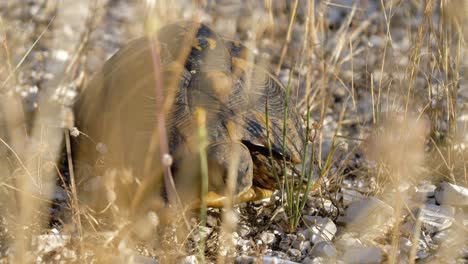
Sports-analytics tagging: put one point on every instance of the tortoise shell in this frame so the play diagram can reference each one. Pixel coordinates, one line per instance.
(199, 70)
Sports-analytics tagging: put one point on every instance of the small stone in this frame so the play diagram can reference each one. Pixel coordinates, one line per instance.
(204, 231)
(286, 242)
(370, 216)
(294, 254)
(350, 196)
(403, 259)
(211, 221)
(441, 236)
(431, 200)
(298, 244)
(68, 254)
(363, 255)
(376, 41)
(436, 218)
(243, 230)
(405, 244)
(323, 229)
(49, 242)
(243, 244)
(264, 260)
(422, 254)
(329, 207)
(192, 259)
(347, 240)
(300, 237)
(362, 184)
(245, 260)
(279, 255)
(318, 260)
(61, 55)
(404, 186)
(451, 194)
(267, 237)
(144, 260)
(60, 194)
(323, 249)
(305, 232)
(426, 190)
(306, 246)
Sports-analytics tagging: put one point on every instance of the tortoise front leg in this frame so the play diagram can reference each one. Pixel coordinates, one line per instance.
(230, 174)
(254, 193)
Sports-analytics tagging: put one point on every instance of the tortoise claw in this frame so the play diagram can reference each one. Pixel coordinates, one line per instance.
(215, 200)
(252, 194)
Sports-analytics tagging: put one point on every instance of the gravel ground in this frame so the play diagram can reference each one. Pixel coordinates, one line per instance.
(360, 214)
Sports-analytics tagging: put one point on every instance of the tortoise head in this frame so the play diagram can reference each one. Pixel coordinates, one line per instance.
(276, 111)
(286, 139)
(260, 102)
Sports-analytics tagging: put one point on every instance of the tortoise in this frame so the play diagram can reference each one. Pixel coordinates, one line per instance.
(199, 70)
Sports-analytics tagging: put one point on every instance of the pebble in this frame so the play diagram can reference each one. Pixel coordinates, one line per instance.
(243, 244)
(294, 254)
(376, 41)
(305, 247)
(363, 255)
(60, 194)
(441, 236)
(431, 200)
(192, 259)
(404, 186)
(321, 228)
(436, 218)
(146, 260)
(324, 204)
(267, 237)
(212, 221)
(243, 230)
(405, 244)
(329, 207)
(425, 190)
(287, 241)
(204, 231)
(68, 254)
(451, 194)
(49, 242)
(422, 254)
(318, 260)
(368, 214)
(350, 196)
(297, 244)
(347, 240)
(264, 260)
(61, 55)
(323, 249)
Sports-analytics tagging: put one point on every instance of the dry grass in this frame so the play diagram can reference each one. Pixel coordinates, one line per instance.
(383, 82)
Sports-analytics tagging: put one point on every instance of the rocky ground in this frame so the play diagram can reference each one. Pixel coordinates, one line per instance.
(395, 190)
